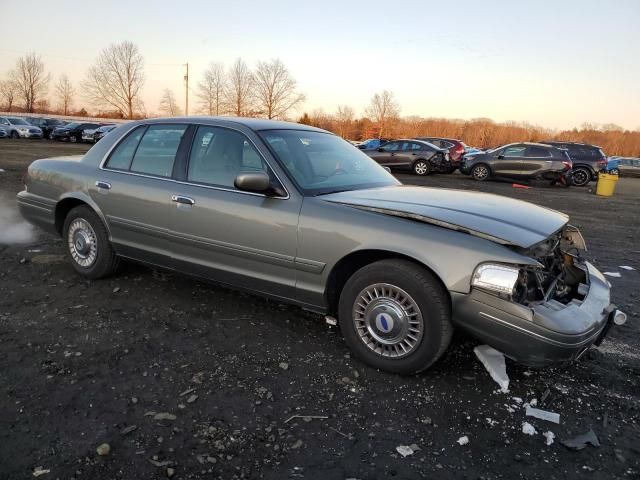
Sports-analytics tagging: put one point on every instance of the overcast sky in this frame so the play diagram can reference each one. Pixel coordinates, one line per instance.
(554, 63)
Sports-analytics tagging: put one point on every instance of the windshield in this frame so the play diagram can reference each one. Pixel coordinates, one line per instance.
(324, 163)
(18, 121)
(72, 125)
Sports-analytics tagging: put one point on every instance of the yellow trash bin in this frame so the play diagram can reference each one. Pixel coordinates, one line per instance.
(606, 184)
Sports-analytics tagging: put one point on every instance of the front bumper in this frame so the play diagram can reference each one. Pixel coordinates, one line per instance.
(541, 335)
(30, 134)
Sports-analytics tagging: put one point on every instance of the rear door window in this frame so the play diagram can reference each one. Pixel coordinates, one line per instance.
(538, 152)
(157, 150)
(121, 157)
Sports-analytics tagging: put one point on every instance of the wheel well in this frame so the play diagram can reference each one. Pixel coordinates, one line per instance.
(62, 210)
(348, 265)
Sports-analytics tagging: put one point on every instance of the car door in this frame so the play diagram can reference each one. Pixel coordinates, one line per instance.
(404, 155)
(536, 161)
(384, 154)
(133, 188)
(508, 161)
(231, 236)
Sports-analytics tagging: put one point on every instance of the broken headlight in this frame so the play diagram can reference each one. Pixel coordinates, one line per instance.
(496, 278)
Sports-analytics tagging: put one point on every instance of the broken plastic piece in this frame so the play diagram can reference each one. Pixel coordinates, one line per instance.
(550, 436)
(581, 441)
(528, 429)
(493, 361)
(404, 450)
(613, 274)
(543, 415)
(463, 440)
(626, 267)
(331, 320)
(517, 185)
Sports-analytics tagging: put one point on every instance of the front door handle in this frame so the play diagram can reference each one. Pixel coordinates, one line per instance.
(103, 185)
(183, 200)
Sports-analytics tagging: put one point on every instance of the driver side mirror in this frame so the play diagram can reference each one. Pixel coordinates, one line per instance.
(258, 182)
(381, 149)
(500, 157)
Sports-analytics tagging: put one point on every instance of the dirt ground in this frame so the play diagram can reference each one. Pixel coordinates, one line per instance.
(191, 380)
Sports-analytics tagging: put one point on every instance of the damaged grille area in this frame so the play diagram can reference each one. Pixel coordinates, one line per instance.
(562, 278)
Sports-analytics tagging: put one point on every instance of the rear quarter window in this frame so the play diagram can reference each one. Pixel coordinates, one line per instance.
(122, 155)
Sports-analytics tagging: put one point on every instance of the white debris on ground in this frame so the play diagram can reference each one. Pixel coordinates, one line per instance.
(543, 415)
(40, 471)
(404, 450)
(463, 440)
(613, 274)
(494, 363)
(549, 436)
(626, 267)
(528, 429)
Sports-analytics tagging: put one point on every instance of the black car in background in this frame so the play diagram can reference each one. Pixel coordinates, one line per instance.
(420, 157)
(522, 161)
(72, 131)
(587, 160)
(47, 125)
(102, 131)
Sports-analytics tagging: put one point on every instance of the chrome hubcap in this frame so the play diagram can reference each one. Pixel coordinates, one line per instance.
(388, 320)
(83, 244)
(421, 168)
(480, 172)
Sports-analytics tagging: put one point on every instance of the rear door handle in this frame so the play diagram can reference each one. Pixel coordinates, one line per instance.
(103, 185)
(183, 200)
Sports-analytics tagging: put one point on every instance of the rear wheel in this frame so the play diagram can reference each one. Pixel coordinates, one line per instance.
(421, 167)
(480, 172)
(395, 316)
(14, 134)
(581, 176)
(88, 243)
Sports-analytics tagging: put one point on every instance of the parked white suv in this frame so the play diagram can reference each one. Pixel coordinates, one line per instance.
(19, 128)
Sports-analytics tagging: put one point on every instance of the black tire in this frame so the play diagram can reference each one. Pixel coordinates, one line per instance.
(423, 289)
(106, 261)
(73, 139)
(480, 172)
(421, 167)
(581, 176)
(14, 135)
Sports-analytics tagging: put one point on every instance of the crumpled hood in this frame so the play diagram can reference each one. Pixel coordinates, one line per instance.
(500, 219)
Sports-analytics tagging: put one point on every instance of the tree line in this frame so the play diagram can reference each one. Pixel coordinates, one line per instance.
(114, 83)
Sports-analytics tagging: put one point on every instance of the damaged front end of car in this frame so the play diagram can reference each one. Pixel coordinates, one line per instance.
(539, 314)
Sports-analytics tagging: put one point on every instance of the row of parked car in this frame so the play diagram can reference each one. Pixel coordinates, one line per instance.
(53, 128)
(566, 163)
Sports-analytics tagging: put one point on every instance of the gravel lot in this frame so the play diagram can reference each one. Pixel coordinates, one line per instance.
(189, 380)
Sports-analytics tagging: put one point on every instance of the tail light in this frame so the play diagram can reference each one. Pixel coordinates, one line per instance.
(567, 165)
(459, 149)
(602, 164)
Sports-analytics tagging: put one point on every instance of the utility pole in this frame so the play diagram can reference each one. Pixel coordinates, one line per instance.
(186, 91)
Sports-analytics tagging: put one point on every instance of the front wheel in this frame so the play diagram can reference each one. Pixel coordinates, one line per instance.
(73, 139)
(480, 172)
(88, 244)
(15, 135)
(395, 316)
(421, 167)
(581, 176)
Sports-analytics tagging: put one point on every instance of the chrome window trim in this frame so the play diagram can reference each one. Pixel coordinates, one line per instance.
(170, 179)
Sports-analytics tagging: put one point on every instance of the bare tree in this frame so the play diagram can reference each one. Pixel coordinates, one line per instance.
(8, 93)
(212, 90)
(65, 92)
(169, 105)
(382, 110)
(276, 90)
(240, 95)
(344, 120)
(30, 79)
(116, 79)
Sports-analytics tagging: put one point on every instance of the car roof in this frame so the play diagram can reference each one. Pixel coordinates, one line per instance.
(252, 123)
(552, 142)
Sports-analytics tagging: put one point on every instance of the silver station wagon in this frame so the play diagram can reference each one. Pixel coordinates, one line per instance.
(298, 214)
